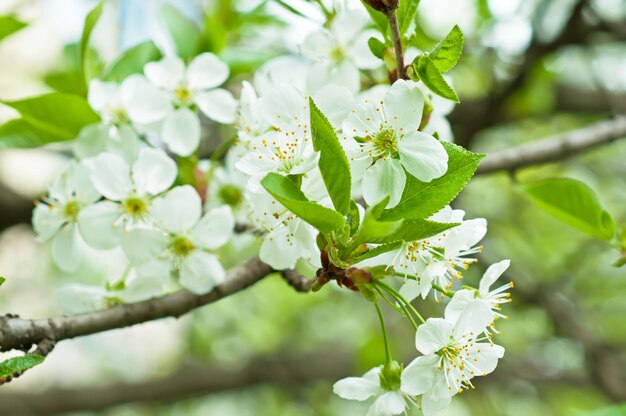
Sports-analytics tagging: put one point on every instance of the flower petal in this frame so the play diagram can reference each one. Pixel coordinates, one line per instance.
(335, 102)
(144, 102)
(206, 71)
(431, 405)
(388, 404)
(142, 245)
(46, 221)
(465, 236)
(65, 252)
(96, 225)
(403, 106)
(178, 210)
(418, 377)
(474, 319)
(200, 272)
(215, 228)
(110, 175)
(423, 156)
(181, 131)
(153, 172)
(492, 274)
(384, 178)
(218, 105)
(356, 388)
(433, 335)
(167, 73)
(485, 357)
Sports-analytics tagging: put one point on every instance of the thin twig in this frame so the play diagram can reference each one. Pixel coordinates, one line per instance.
(397, 41)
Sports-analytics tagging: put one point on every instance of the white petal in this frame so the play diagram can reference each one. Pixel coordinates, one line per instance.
(433, 335)
(78, 298)
(123, 140)
(200, 272)
(474, 319)
(143, 101)
(388, 404)
(323, 73)
(423, 156)
(218, 105)
(215, 228)
(153, 172)
(282, 247)
(46, 221)
(413, 288)
(317, 45)
(485, 357)
(95, 223)
(364, 121)
(492, 274)
(103, 96)
(206, 71)
(459, 302)
(178, 210)
(403, 106)
(335, 102)
(91, 140)
(65, 249)
(433, 406)
(110, 175)
(167, 73)
(142, 245)
(347, 24)
(356, 388)
(465, 236)
(384, 178)
(419, 375)
(360, 52)
(181, 131)
(283, 105)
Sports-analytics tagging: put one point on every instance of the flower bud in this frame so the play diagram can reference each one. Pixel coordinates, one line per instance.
(390, 376)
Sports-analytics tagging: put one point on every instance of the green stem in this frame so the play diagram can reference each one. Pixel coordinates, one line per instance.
(384, 328)
(397, 41)
(395, 294)
(382, 294)
(442, 290)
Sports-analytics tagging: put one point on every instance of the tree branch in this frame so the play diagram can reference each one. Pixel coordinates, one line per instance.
(555, 148)
(18, 333)
(281, 370)
(297, 281)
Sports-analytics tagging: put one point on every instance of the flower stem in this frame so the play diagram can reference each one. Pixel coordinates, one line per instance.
(442, 290)
(384, 328)
(396, 295)
(397, 42)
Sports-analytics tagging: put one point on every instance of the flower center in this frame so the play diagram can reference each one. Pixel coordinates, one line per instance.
(135, 206)
(385, 142)
(71, 210)
(231, 195)
(181, 246)
(183, 95)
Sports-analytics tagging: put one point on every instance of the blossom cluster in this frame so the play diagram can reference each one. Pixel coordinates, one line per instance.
(139, 183)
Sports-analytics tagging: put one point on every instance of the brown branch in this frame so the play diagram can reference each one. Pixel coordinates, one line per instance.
(18, 333)
(555, 148)
(297, 281)
(281, 370)
(390, 13)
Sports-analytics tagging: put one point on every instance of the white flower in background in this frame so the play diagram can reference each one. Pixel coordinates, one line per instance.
(135, 100)
(183, 241)
(250, 120)
(340, 51)
(391, 399)
(98, 138)
(493, 298)
(56, 218)
(227, 186)
(193, 85)
(286, 238)
(438, 258)
(288, 148)
(387, 133)
(128, 190)
(455, 351)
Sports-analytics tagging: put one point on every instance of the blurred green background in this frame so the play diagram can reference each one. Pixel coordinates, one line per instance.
(530, 69)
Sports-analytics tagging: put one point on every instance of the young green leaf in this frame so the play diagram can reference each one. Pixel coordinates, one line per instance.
(353, 218)
(287, 193)
(2, 280)
(406, 14)
(90, 22)
(185, 34)
(379, 19)
(69, 82)
(575, 204)
(45, 119)
(432, 78)
(377, 47)
(19, 364)
(447, 53)
(9, 25)
(422, 199)
(132, 61)
(414, 230)
(377, 251)
(333, 163)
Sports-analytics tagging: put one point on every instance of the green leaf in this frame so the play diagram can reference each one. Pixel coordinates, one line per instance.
(18, 364)
(415, 230)
(46, 119)
(377, 47)
(575, 204)
(432, 78)
(85, 55)
(133, 60)
(185, 34)
(447, 53)
(379, 19)
(333, 162)
(353, 218)
(619, 410)
(406, 14)
(422, 199)
(287, 193)
(2, 280)
(9, 25)
(372, 229)
(70, 82)
(377, 251)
